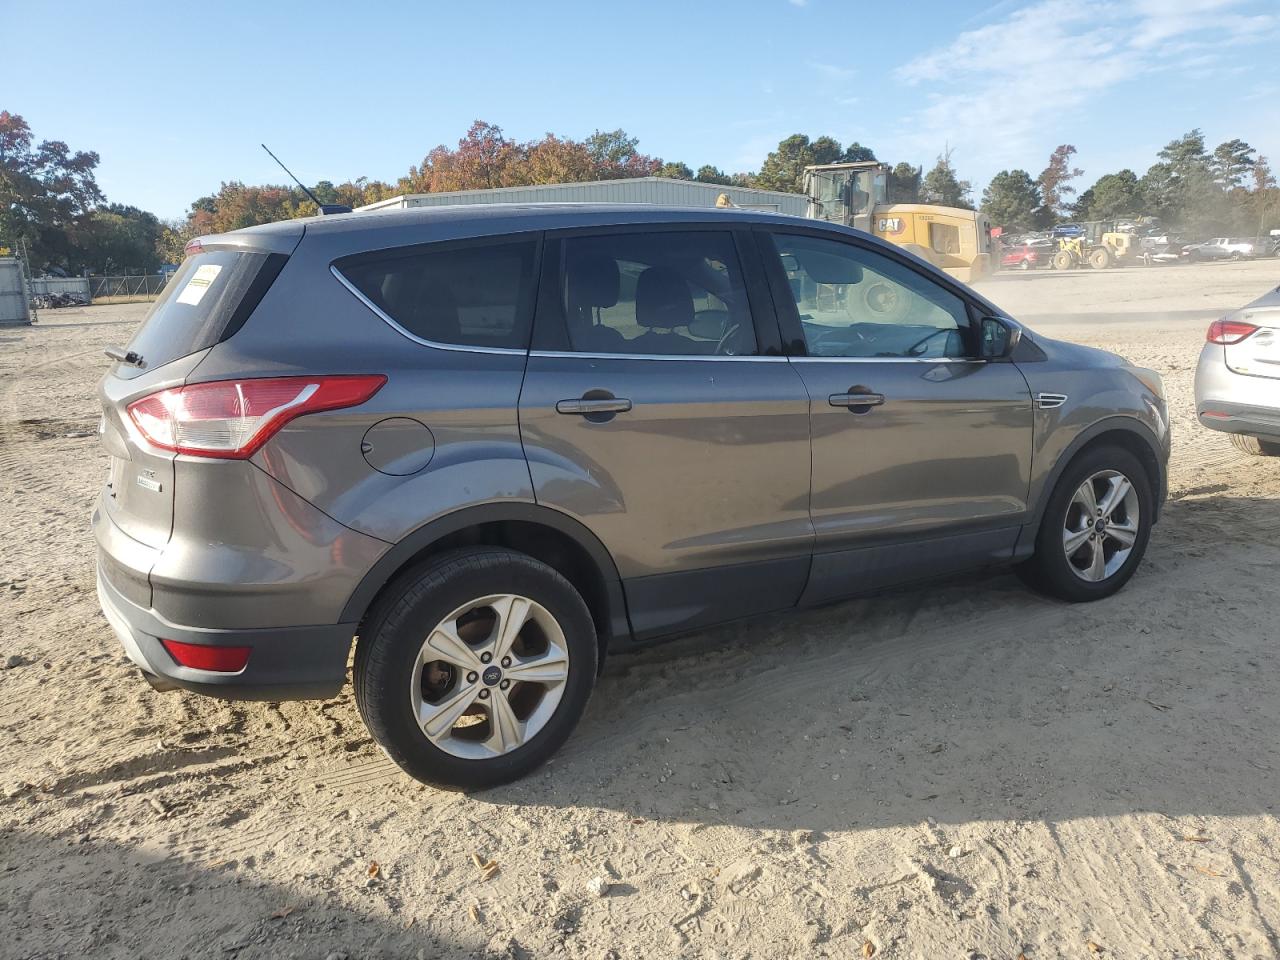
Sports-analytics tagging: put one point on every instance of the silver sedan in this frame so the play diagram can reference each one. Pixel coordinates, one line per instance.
(1238, 379)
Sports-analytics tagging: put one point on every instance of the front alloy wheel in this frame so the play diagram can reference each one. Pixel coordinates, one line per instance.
(1101, 526)
(1095, 527)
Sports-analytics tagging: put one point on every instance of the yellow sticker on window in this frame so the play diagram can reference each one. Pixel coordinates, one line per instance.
(199, 284)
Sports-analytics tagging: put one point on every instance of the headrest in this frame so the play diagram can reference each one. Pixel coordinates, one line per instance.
(663, 299)
(592, 280)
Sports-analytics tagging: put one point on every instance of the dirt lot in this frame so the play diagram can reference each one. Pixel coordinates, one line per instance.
(955, 772)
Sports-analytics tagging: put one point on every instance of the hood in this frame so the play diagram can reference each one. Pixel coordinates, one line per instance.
(1077, 355)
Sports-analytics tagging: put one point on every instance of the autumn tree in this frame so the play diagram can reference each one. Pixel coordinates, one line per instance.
(615, 156)
(557, 160)
(1054, 181)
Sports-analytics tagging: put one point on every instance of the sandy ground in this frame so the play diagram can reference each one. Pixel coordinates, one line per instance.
(960, 771)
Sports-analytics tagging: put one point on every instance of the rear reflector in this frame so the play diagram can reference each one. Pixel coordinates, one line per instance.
(232, 419)
(1229, 331)
(199, 656)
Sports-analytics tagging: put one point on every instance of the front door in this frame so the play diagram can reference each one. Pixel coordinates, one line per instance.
(921, 452)
(658, 412)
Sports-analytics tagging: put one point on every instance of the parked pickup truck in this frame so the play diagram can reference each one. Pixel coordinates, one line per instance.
(1222, 248)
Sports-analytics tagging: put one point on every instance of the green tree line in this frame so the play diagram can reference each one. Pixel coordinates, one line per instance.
(1229, 191)
(50, 202)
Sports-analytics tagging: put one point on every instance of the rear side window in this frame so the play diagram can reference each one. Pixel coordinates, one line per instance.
(206, 301)
(470, 296)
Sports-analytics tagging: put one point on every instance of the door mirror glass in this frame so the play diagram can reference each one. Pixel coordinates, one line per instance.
(999, 337)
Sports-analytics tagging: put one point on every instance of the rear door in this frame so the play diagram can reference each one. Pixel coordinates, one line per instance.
(658, 410)
(208, 299)
(921, 453)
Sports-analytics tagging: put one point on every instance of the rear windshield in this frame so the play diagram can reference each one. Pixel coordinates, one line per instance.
(206, 301)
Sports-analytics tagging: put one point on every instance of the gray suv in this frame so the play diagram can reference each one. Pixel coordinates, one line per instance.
(489, 444)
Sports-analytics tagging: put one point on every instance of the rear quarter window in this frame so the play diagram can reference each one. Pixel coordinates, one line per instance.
(472, 295)
(205, 301)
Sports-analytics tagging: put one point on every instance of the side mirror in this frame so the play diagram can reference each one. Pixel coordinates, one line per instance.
(999, 337)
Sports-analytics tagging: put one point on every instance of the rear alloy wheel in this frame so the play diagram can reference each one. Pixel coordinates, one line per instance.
(1024, 265)
(475, 668)
(1095, 528)
(1255, 447)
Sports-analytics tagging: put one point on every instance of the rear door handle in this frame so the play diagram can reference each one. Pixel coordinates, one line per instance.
(856, 399)
(588, 407)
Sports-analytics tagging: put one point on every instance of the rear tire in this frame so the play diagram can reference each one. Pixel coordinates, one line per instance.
(1065, 573)
(1255, 447)
(451, 694)
(1100, 259)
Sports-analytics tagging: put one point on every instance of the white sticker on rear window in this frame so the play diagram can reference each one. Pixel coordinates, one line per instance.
(199, 283)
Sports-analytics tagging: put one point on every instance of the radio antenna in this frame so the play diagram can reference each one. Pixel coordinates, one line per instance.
(293, 178)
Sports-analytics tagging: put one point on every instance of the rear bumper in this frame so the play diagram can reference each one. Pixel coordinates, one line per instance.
(1233, 402)
(286, 663)
(1239, 418)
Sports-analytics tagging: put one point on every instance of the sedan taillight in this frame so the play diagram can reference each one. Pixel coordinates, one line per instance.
(1229, 331)
(232, 419)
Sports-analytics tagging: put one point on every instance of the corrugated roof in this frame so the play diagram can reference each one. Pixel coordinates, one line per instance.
(710, 190)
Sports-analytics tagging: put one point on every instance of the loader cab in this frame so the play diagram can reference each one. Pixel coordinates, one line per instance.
(846, 193)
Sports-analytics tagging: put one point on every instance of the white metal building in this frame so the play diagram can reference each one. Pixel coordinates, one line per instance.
(657, 190)
(14, 307)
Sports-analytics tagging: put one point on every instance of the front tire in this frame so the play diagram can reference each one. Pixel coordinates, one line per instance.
(1095, 528)
(1255, 447)
(475, 667)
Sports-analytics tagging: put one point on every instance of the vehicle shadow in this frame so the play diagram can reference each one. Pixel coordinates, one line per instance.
(76, 895)
(959, 701)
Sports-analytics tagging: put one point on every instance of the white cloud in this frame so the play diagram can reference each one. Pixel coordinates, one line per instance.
(833, 72)
(995, 91)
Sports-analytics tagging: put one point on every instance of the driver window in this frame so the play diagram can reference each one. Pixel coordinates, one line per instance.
(855, 302)
(664, 294)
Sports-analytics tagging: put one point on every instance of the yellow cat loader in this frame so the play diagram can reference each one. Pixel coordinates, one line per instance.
(1100, 246)
(857, 195)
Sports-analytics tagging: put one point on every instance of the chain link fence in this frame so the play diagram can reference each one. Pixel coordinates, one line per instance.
(140, 287)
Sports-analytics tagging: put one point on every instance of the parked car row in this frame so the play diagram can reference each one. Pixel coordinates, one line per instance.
(1030, 254)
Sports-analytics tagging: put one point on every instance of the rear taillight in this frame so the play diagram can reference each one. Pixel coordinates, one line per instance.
(201, 656)
(232, 419)
(1229, 331)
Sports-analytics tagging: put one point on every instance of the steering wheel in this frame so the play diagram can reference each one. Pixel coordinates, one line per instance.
(724, 347)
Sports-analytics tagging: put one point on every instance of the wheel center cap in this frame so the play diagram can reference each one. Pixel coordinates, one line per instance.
(1100, 525)
(491, 675)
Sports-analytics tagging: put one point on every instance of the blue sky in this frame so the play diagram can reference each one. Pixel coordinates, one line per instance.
(177, 97)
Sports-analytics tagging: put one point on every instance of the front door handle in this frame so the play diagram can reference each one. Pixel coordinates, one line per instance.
(855, 400)
(588, 407)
